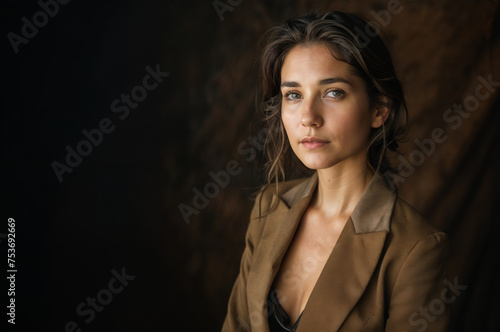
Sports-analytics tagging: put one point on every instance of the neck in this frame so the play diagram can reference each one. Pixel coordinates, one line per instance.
(339, 190)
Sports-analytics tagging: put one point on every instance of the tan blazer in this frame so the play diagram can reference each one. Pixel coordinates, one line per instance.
(387, 271)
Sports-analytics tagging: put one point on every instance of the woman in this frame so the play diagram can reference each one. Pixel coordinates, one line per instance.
(338, 250)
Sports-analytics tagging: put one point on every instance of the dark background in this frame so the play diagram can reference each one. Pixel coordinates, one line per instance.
(119, 207)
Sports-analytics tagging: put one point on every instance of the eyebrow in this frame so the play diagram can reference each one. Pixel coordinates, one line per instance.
(292, 84)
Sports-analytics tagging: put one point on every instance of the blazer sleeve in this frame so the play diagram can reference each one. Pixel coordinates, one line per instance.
(237, 318)
(419, 300)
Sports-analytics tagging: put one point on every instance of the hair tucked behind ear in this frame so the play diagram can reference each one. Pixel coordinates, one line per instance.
(353, 41)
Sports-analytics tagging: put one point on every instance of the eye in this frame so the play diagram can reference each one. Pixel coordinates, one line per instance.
(291, 96)
(336, 94)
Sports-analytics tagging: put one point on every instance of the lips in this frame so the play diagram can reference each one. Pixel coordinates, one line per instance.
(311, 142)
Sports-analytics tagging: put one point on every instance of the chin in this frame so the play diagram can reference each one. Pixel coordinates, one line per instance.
(318, 164)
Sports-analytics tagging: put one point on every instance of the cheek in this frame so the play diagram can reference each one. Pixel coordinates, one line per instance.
(289, 123)
(352, 126)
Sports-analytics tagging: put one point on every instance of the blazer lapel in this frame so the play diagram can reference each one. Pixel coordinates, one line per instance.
(347, 271)
(276, 238)
(343, 280)
(352, 262)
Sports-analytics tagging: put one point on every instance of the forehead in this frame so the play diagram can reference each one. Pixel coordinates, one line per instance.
(310, 62)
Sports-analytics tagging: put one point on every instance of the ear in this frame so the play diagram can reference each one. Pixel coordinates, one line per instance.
(380, 113)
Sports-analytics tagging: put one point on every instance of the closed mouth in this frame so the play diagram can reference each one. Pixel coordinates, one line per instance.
(312, 139)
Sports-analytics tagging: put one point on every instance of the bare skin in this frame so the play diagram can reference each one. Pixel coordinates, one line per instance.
(327, 117)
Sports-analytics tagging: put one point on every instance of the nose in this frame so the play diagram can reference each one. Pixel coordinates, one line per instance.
(311, 114)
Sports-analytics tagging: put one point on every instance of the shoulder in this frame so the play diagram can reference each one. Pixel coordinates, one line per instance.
(411, 231)
(270, 194)
(407, 221)
(415, 250)
(265, 205)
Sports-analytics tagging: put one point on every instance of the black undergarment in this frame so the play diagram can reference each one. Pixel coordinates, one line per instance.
(278, 318)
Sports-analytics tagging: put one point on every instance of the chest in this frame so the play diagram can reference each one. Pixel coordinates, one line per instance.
(304, 261)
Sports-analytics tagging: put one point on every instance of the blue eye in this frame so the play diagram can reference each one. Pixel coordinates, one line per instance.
(292, 95)
(336, 94)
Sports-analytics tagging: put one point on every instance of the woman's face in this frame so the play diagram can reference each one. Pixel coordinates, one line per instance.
(325, 109)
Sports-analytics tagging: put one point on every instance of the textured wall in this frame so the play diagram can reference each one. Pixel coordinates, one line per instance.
(119, 207)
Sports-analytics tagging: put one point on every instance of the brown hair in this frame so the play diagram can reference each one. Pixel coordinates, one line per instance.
(351, 40)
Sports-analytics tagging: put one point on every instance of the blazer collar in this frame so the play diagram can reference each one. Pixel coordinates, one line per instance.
(347, 271)
(371, 214)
